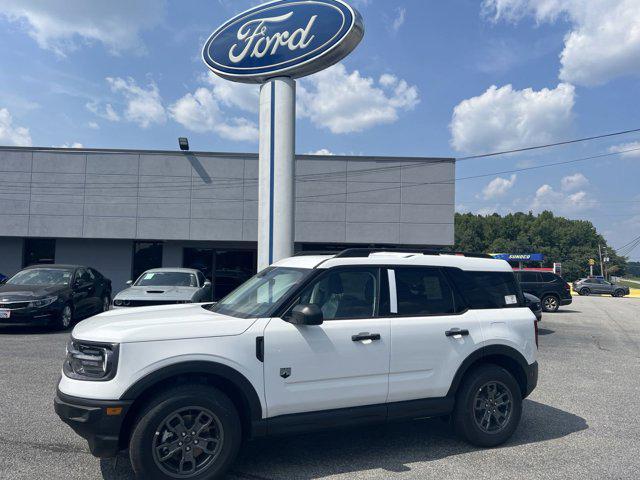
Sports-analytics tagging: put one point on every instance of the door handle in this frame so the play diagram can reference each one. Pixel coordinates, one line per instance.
(456, 331)
(366, 336)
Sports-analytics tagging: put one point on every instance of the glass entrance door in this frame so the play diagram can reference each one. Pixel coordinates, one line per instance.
(227, 269)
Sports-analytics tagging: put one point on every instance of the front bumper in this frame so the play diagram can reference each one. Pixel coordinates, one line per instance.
(31, 316)
(90, 420)
(532, 378)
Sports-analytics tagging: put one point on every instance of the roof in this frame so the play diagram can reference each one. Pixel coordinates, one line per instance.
(172, 270)
(56, 266)
(399, 258)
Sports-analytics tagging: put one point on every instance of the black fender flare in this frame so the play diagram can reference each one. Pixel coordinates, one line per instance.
(484, 352)
(209, 368)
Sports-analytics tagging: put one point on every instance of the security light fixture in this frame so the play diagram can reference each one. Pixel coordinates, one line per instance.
(184, 144)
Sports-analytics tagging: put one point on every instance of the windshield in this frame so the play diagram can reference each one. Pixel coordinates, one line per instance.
(167, 279)
(41, 276)
(257, 296)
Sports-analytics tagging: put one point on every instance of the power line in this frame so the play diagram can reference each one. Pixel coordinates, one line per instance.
(548, 145)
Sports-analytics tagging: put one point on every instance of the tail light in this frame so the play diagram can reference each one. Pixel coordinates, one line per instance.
(567, 287)
(535, 324)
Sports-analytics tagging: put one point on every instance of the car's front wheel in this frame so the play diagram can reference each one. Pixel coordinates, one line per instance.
(188, 432)
(619, 293)
(64, 318)
(488, 406)
(550, 303)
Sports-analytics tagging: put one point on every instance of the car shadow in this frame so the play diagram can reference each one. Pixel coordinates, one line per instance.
(388, 447)
(545, 331)
(562, 310)
(27, 330)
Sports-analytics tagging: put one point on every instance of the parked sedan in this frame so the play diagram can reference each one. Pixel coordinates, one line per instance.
(165, 286)
(587, 286)
(53, 295)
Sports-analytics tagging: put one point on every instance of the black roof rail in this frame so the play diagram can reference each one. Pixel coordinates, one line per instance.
(365, 252)
(312, 253)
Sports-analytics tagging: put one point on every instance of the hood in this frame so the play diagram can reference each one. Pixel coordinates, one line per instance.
(25, 293)
(147, 324)
(157, 293)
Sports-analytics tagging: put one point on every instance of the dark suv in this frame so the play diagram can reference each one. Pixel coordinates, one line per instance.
(550, 288)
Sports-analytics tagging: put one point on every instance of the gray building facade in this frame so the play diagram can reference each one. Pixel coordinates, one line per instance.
(102, 207)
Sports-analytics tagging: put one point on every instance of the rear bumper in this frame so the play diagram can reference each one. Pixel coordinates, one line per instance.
(566, 301)
(89, 419)
(532, 378)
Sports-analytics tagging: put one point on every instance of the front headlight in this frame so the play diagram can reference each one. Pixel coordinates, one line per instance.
(91, 361)
(121, 303)
(43, 302)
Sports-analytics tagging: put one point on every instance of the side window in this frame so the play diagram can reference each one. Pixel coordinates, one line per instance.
(487, 290)
(83, 276)
(529, 277)
(201, 279)
(344, 294)
(548, 277)
(423, 291)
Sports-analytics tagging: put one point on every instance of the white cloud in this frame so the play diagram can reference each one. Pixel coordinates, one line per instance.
(63, 25)
(67, 145)
(604, 42)
(200, 112)
(498, 187)
(11, 134)
(346, 102)
(144, 106)
(574, 182)
(322, 151)
(107, 112)
(505, 118)
(631, 150)
(398, 21)
(93, 125)
(232, 94)
(547, 198)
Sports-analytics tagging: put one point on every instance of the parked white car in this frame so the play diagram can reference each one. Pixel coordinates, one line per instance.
(309, 343)
(165, 286)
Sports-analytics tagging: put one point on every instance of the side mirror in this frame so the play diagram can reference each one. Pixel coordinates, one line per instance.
(129, 283)
(207, 283)
(306, 315)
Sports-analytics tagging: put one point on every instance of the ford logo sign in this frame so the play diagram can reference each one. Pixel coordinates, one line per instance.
(284, 38)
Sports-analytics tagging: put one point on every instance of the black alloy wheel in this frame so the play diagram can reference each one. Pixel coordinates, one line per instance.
(191, 432)
(550, 303)
(585, 292)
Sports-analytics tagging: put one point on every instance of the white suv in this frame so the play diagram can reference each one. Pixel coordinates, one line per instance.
(311, 342)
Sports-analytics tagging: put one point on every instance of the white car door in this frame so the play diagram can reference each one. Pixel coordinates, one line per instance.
(342, 363)
(431, 333)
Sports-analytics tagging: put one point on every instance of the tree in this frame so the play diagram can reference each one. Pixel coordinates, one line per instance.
(570, 242)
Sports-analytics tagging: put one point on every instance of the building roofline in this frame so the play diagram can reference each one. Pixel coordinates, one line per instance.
(80, 151)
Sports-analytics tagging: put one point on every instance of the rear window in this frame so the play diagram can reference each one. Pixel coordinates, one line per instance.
(549, 277)
(486, 290)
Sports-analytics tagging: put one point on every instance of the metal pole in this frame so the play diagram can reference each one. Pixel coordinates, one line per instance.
(276, 207)
(601, 262)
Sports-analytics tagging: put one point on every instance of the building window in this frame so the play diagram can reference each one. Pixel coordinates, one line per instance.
(146, 255)
(39, 251)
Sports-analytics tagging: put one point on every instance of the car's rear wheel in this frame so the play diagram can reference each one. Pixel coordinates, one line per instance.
(585, 292)
(64, 319)
(550, 303)
(488, 406)
(189, 432)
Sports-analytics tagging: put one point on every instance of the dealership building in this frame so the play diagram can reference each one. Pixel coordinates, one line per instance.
(125, 211)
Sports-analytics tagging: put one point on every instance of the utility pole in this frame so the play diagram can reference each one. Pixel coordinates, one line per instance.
(601, 262)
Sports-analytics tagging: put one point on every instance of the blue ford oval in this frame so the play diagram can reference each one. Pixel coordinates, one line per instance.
(290, 38)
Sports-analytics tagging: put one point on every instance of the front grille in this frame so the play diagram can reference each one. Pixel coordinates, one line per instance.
(152, 303)
(14, 305)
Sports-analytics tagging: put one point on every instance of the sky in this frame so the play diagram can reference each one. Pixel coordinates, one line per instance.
(430, 79)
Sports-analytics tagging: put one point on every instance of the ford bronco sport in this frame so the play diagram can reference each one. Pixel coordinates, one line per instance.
(311, 342)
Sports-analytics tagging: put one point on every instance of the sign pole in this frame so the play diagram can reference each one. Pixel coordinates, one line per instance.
(276, 206)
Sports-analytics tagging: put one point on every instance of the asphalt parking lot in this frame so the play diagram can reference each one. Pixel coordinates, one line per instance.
(583, 421)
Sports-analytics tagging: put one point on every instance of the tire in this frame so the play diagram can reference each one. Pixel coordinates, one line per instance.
(187, 401)
(618, 293)
(550, 303)
(585, 292)
(64, 319)
(467, 419)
